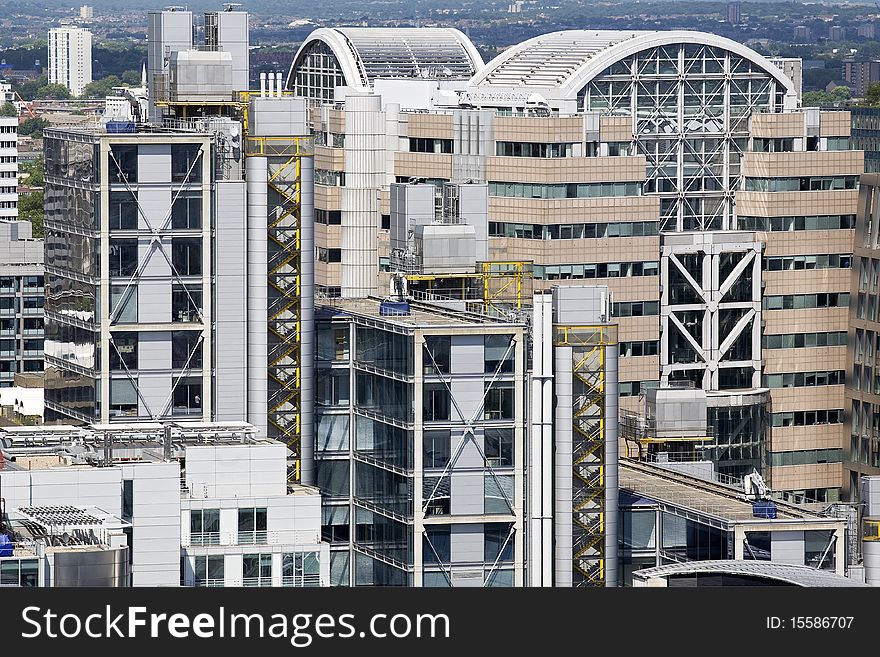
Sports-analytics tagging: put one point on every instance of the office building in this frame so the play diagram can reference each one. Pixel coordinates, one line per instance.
(836, 33)
(8, 168)
(699, 240)
(70, 58)
(802, 33)
(867, 31)
(668, 517)
(157, 504)
(862, 437)
(420, 451)
(21, 301)
(866, 135)
(86, 12)
(860, 74)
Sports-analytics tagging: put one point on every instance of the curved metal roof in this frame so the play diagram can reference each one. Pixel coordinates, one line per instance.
(780, 572)
(568, 60)
(368, 53)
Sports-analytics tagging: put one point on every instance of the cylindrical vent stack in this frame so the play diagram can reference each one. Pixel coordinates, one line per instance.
(871, 529)
(258, 357)
(307, 321)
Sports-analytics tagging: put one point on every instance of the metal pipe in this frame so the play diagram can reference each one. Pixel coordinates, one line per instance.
(307, 322)
(547, 443)
(536, 469)
(278, 84)
(262, 85)
(257, 170)
(612, 454)
(271, 80)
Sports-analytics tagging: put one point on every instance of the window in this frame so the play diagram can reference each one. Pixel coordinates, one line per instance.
(329, 217)
(437, 354)
(123, 257)
(499, 401)
(123, 164)
(300, 569)
(124, 303)
(186, 256)
(635, 309)
(429, 145)
(124, 350)
(204, 527)
(186, 349)
(436, 493)
(532, 149)
(435, 405)
(252, 526)
(184, 166)
(333, 388)
(186, 211)
(498, 493)
(256, 570)
(19, 572)
(333, 343)
(497, 542)
(436, 545)
(123, 211)
(127, 498)
(186, 303)
(437, 447)
(187, 397)
(208, 570)
(498, 352)
(498, 446)
(123, 397)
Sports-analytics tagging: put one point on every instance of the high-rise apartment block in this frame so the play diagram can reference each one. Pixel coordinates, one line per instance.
(70, 58)
(21, 301)
(8, 167)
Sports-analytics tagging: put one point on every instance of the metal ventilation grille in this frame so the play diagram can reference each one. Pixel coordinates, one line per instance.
(59, 515)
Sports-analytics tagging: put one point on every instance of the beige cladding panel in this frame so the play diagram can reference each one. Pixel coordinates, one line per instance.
(795, 204)
(565, 169)
(789, 439)
(810, 359)
(800, 477)
(788, 124)
(336, 121)
(805, 321)
(545, 130)
(327, 197)
(429, 125)
(638, 368)
(613, 249)
(328, 236)
(423, 165)
(631, 329)
(330, 159)
(615, 128)
(608, 209)
(806, 163)
(806, 281)
(835, 124)
(806, 398)
(807, 242)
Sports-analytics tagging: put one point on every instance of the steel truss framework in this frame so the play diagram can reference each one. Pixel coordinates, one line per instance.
(284, 162)
(690, 106)
(468, 436)
(588, 345)
(160, 241)
(711, 319)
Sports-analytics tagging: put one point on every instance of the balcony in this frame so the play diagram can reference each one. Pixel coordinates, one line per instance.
(253, 537)
(209, 583)
(301, 581)
(256, 581)
(205, 538)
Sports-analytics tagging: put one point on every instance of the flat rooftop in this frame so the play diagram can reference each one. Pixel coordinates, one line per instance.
(420, 314)
(705, 497)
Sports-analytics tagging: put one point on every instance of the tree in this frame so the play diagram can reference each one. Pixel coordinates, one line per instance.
(101, 88)
(8, 109)
(30, 206)
(841, 93)
(131, 78)
(872, 96)
(28, 89)
(54, 92)
(33, 127)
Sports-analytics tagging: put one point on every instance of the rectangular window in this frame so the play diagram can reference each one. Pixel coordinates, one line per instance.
(435, 403)
(185, 163)
(124, 303)
(186, 303)
(499, 401)
(186, 211)
(186, 349)
(123, 164)
(252, 523)
(498, 446)
(123, 257)
(437, 447)
(257, 570)
(187, 397)
(127, 498)
(123, 211)
(301, 569)
(498, 352)
(204, 526)
(209, 570)
(124, 350)
(186, 256)
(123, 397)
(437, 354)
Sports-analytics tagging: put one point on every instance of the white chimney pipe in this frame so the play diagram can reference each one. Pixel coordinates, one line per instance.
(278, 84)
(271, 84)
(262, 85)
(536, 469)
